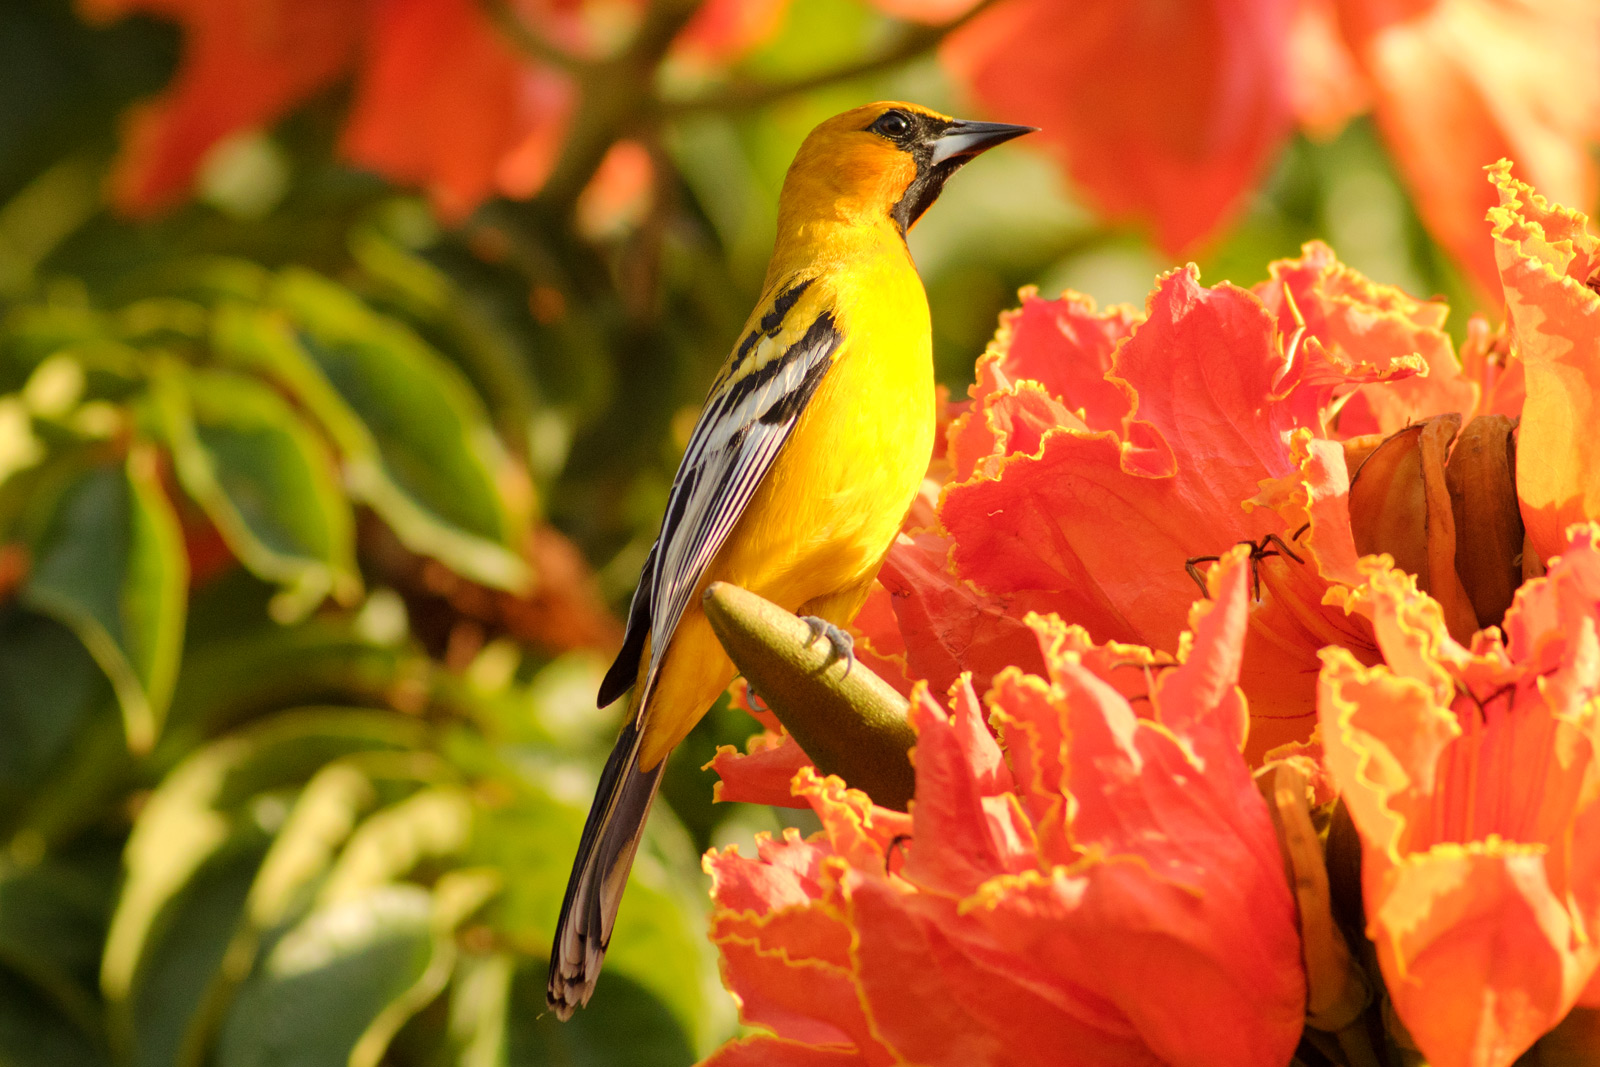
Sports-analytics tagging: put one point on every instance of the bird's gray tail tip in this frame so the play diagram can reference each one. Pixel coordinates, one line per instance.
(566, 993)
(599, 873)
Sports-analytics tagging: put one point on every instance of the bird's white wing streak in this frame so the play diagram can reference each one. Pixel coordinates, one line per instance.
(733, 446)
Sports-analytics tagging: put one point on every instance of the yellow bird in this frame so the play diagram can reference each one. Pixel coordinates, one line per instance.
(805, 460)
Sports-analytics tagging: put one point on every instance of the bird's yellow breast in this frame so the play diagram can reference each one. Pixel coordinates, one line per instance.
(819, 525)
(830, 506)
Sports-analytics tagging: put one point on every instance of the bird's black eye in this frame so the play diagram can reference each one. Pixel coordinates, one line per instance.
(893, 125)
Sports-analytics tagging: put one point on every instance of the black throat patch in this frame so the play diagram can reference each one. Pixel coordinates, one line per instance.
(929, 182)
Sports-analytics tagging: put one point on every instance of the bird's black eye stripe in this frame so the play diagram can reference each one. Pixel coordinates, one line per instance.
(895, 125)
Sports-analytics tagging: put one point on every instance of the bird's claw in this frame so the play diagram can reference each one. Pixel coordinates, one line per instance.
(843, 646)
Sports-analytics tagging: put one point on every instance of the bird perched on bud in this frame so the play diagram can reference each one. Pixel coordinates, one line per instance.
(805, 460)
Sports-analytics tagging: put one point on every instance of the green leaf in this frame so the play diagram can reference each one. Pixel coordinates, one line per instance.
(32, 333)
(49, 684)
(456, 897)
(317, 824)
(208, 279)
(196, 809)
(266, 480)
(416, 443)
(659, 943)
(34, 1032)
(464, 320)
(52, 919)
(186, 951)
(111, 566)
(625, 1022)
(433, 823)
(659, 939)
(479, 994)
(320, 821)
(329, 978)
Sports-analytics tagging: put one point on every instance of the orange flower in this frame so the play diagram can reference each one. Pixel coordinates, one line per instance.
(1359, 321)
(1161, 112)
(446, 103)
(620, 194)
(245, 64)
(1103, 452)
(1105, 886)
(1457, 84)
(725, 29)
(1169, 113)
(1473, 777)
(1550, 268)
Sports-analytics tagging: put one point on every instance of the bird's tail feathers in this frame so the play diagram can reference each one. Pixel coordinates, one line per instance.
(605, 854)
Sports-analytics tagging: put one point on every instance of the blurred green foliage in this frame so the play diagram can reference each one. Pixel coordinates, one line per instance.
(269, 796)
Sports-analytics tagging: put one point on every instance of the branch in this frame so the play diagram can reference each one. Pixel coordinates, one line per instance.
(743, 96)
(510, 24)
(615, 95)
(846, 719)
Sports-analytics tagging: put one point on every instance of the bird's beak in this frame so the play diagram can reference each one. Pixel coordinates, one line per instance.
(963, 139)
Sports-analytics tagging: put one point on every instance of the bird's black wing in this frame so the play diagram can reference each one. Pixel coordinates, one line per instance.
(751, 411)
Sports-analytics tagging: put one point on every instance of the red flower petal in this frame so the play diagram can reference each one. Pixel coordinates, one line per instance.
(1473, 778)
(1065, 345)
(1328, 88)
(1548, 264)
(901, 981)
(765, 1050)
(245, 64)
(1459, 84)
(619, 194)
(1021, 708)
(800, 999)
(958, 768)
(723, 30)
(761, 774)
(1360, 322)
(779, 925)
(1293, 622)
(787, 873)
(1097, 526)
(879, 644)
(1100, 78)
(1110, 893)
(856, 829)
(1486, 359)
(947, 626)
(1160, 809)
(1106, 524)
(446, 103)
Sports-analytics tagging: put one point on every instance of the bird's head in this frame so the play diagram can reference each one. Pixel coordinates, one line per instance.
(887, 160)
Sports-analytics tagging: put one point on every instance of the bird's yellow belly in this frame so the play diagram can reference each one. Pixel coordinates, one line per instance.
(830, 507)
(823, 518)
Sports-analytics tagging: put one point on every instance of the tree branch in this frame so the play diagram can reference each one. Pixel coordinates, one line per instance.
(510, 24)
(743, 96)
(614, 95)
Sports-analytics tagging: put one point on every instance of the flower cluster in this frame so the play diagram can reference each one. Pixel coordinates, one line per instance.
(1033, 903)
(445, 99)
(1398, 565)
(469, 99)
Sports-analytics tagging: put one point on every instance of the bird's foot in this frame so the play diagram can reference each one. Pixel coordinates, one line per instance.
(840, 641)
